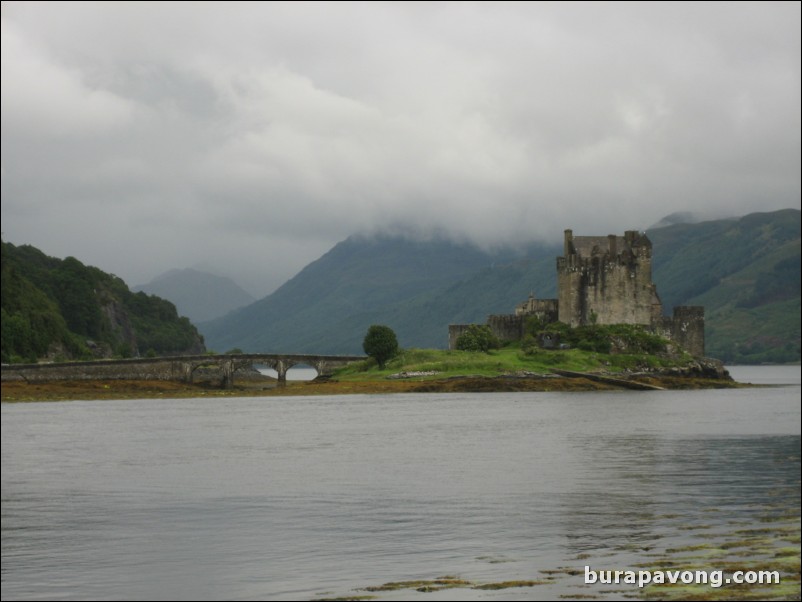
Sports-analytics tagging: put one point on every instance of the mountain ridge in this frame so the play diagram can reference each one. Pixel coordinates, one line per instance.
(197, 294)
(418, 288)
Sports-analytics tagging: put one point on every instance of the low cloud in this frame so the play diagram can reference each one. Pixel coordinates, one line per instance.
(251, 138)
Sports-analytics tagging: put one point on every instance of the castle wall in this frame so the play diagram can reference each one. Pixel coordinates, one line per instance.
(504, 327)
(454, 331)
(546, 309)
(607, 280)
(507, 327)
(688, 328)
(618, 294)
(570, 283)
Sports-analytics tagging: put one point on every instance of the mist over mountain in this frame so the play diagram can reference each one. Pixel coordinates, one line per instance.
(327, 307)
(686, 217)
(198, 295)
(745, 271)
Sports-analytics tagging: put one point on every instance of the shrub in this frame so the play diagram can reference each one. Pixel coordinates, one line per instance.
(529, 345)
(535, 324)
(478, 338)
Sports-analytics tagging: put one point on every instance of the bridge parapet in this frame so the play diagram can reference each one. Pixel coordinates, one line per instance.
(173, 367)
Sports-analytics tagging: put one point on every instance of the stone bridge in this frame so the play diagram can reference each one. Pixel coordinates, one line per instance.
(180, 367)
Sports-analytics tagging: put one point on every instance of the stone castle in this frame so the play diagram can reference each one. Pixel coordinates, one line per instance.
(603, 280)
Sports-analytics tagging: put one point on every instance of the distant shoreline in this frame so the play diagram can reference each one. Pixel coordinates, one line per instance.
(161, 389)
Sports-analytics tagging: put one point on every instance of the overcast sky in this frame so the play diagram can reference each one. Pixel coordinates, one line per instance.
(250, 138)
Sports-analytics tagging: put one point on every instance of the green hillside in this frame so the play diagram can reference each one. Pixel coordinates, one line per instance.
(424, 320)
(328, 306)
(63, 309)
(746, 273)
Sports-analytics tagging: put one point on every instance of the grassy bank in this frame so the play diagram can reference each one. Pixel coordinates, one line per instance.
(506, 361)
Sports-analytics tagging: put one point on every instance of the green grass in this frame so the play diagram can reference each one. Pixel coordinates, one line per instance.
(506, 361)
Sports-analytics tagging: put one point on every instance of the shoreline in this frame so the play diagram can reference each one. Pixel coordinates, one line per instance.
(74, 390)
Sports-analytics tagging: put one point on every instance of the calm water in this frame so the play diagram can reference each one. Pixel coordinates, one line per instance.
(298, 498)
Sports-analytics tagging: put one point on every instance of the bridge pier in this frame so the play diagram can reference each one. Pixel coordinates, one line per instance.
(227, 370)
(281, 366)
(187, 369)
(323, 368)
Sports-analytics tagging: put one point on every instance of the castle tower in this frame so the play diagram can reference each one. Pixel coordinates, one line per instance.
(607, 280)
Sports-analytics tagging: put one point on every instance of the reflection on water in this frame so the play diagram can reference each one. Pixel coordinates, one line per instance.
(297, 498)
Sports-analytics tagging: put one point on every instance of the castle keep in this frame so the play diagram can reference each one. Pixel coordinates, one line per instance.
(603, 280)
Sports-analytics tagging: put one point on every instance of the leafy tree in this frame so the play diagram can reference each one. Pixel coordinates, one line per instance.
(74, 289)
(380, 343)
(478, 338)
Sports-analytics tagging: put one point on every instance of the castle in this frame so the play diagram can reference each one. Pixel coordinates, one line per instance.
(603, 280)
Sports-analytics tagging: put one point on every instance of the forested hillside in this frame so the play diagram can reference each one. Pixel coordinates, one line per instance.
(62, 309)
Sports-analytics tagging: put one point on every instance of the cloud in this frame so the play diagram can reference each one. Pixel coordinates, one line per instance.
(214, 133)
(45, 99)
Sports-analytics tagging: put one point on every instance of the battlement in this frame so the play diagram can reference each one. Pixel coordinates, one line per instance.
(545, 308)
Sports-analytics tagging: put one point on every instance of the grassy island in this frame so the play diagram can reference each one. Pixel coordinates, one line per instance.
(511, 368)
(509, 361)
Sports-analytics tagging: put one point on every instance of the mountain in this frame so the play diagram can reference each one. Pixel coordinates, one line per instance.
(328, 306)
(60, 308)
(745, 271)
(198, 295)
(490, 290)
(682, 217)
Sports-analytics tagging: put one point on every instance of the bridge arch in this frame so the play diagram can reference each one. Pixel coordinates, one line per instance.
(301, 371)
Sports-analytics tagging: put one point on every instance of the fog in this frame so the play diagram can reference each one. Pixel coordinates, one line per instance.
(247, 139)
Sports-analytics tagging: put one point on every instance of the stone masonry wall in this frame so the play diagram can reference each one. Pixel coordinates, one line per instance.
(97, 370)
(507, 327)
(609, 281)
(454, 330)
(688, 328)
(504, 327)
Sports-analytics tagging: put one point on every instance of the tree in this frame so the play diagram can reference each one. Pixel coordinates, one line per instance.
(380, 343)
